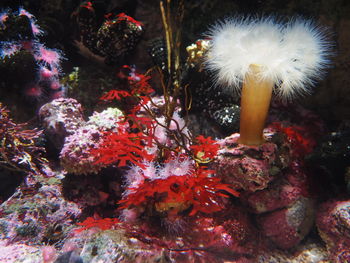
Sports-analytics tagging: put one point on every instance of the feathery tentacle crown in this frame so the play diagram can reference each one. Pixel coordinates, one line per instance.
(293, 55)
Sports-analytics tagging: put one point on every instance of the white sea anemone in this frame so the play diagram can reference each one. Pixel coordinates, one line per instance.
(292, 55)
(309, 54)
(179, 166)
(263, 54)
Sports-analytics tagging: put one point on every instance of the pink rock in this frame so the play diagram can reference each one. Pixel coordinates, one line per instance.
(288, 226)
(333, 223)
(49, 254)
(273, 187)
(287, 206)
(25, 223)
(60, 118)
(230, 236)
(279, 195)
(19, 253)
(250, 168)
(75, 155)
(283, 192)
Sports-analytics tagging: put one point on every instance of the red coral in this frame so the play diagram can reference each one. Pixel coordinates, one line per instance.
(200, 191)
(205, 191)
(88, 5)
(146, 124)
(121, 148)
(123, 16)
(206, 148)
(102, 223)
(115, 95)
(299, 137)
(140, 85)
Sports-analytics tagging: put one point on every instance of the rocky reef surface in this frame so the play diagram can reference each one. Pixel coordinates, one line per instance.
(117, 144)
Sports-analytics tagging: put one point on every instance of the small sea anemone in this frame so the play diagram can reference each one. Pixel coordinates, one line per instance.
(136, 175)
(178, 166)
(35, 28)
(7, 49)
(48, 74)
(34, 91)
(261, 54)
(48, 57)
(129, 215)
(4, 15)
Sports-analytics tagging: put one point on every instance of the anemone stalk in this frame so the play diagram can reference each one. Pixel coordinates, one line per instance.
(255, 101)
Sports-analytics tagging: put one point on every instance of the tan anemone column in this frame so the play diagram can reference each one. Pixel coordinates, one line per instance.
(255, 103)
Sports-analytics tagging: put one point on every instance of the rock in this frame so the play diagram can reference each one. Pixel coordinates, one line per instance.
(333, 223)
(60, 118)
(250, 168)
(288, 226)
(281, 193)
(75, 155)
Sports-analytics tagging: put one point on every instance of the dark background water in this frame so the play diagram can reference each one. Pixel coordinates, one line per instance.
(330, 98)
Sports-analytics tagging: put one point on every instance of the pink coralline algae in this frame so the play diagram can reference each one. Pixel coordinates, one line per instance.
(281, 193)
(246, 167)
(333, 224)
(60, 118)
(19, 253)
(37, 213)
(75, 155)
(229, 235)
(273, 186)
(288, 226)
